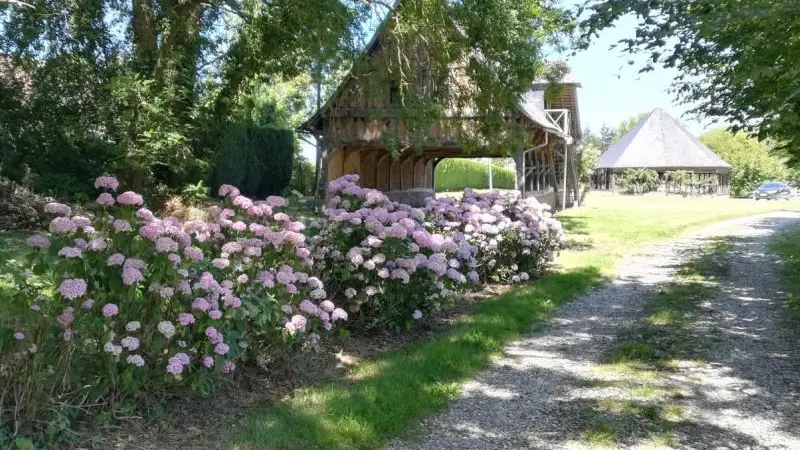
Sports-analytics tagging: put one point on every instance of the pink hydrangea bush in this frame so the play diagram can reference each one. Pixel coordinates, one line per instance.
(516, 238)
(379, 261)
(122, 302)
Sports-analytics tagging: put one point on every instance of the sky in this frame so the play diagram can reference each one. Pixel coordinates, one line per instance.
(612, 90)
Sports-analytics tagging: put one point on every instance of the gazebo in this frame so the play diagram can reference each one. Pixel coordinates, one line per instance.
(350, 127)
(661, 143)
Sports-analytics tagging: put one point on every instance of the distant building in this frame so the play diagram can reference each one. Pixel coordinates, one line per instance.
(660, 143)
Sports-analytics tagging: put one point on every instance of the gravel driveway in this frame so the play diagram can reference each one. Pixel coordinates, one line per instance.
(545, 390)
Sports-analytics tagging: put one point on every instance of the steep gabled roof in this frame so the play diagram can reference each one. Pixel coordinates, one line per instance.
(531, 104)
(659, 142)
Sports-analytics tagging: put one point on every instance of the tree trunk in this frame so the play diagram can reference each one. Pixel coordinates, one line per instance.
(145, 44)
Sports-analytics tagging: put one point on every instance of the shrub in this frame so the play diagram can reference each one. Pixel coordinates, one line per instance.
(121, 304)
(680, 180)
(638, 181)
(378, 259)
(456, 174)
(20, 208)
(516, 238)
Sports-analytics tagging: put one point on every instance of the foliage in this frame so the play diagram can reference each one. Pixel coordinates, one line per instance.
(638, 181)
(303, 173)
(257, 158)
(750, 160)
(153, 89)
(456, 174)
(735, 60)
(195, 194)
(515, 238)
(114, 307)
(588, 156)
(680, 179)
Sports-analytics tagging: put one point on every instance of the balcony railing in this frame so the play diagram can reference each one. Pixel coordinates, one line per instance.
(561, 119)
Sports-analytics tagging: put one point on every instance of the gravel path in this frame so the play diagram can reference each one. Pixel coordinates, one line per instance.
(545, 391)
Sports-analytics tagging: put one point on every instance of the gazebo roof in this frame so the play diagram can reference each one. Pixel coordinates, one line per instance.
(659, 142)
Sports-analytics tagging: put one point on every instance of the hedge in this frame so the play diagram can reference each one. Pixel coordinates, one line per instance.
(256, 159)
(455, 174)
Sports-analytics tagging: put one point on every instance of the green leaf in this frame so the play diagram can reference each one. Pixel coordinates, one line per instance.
(24, 443)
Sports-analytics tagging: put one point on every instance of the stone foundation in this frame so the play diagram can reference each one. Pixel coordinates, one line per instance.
(547, 197)
(413, 197)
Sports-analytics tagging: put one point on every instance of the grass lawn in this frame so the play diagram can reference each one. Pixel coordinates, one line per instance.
(388, 395)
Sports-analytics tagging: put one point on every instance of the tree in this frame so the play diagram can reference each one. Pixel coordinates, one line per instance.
(627, 125)
(148, 88)
(750, 160)
(737, 61)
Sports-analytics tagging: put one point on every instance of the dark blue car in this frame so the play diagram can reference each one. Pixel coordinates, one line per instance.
(773, 190)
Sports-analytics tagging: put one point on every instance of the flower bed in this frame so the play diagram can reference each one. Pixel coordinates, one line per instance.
(124, 303)
(113, 306)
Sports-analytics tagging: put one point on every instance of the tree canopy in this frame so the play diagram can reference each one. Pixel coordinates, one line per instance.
(149, 88)
(751, 161)
(737, 61)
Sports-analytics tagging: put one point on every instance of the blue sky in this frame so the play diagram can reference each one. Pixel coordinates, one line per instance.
(612, 90)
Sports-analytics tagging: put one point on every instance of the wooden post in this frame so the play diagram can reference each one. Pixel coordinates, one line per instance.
(519, 163)
(322, 180)
(564, 183)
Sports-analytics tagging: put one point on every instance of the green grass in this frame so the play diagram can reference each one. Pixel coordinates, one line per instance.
(611, 226)
(787, 244)
(387, 396)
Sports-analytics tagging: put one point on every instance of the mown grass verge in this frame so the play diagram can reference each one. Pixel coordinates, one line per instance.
(387, 395)
(787, 245)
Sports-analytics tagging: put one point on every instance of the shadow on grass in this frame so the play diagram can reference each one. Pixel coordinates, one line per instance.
(391, 393)
(575, 224)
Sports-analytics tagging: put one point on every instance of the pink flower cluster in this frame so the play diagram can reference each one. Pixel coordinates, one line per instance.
(516, 238)
(172, 290)
(390, 254)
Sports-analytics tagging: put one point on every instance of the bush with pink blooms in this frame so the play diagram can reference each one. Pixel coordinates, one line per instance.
(516, 238)
(120, 303)
(381, 263)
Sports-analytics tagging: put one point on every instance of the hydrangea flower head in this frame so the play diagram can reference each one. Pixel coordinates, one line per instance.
(58, 208)
(110, 309)
(106, 182)
(166, 328)
(38, 241)
(130, 198)
(72, 288)
(105, 199)
(135, 360)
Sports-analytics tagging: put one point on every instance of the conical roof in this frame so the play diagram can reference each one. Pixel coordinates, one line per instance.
(659, 142)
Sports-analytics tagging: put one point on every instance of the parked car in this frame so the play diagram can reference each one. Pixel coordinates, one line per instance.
(773, 190)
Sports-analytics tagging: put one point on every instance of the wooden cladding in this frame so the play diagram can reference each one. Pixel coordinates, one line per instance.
(378, 170)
